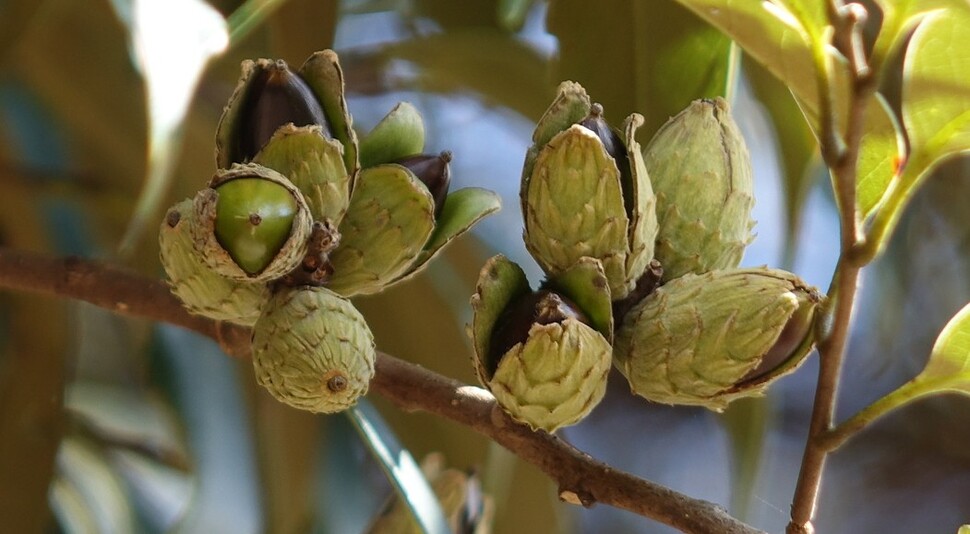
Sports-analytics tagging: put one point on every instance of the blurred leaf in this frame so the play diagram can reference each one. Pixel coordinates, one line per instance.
(301, 27)
(349, 485)
(69, 507)
(160, 493)
(286, 441)
(400, 468)
(171, 69)
(651, 58)
(935, 108)
(481, 60)
(100, 488)
(747, 422)
(247, 17)
(458, 15)
(796, 143)
(512, 13)
(949, 366)
(771, 35)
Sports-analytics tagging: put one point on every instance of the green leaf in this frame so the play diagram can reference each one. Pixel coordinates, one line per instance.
(171, 70)
(879, 154)
(770, 34)
(936, 88)
(899, 17)
(949, 366)
(401, 469)
(478, 59)
(935, 109)
(965, 529)
(617, 55)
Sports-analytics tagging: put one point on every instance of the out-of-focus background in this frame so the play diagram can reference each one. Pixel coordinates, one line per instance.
(109, 424)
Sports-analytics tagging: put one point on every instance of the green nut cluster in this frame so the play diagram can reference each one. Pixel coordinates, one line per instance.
(290, 226)
(666, 227)
(544, 356)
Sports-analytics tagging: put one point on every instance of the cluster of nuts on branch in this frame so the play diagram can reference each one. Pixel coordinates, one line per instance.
(300, 217)
(649, 242)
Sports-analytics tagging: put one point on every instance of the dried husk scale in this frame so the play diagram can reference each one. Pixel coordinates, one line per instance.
(202, 290)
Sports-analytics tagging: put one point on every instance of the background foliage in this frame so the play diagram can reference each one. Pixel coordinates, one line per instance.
(115, 425)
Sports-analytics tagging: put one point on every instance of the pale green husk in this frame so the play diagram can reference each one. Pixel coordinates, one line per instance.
(701, 173)
(202, 290)
(217, 258)
(572, 197)
(307, 336)
(555, 378)
(558, 375)
(390, 219)
(399, 134)
(695, 338)
(314, 165)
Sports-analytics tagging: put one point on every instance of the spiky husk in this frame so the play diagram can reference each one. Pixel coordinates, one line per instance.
(701, 173)
(313, 350)
(202, 290)
(695, 339)
(555, 378)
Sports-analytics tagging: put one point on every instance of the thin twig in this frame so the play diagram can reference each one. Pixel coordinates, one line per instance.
(582, 479)
(842, 161)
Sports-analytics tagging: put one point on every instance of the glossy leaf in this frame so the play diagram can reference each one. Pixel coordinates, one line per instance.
(880, 154)
(401, 469)
(617, 55)
(949, 366)
(935, 109)
(899, 17)
(936, 88)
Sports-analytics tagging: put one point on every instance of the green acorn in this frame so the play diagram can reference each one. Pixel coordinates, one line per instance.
(313, 350)
(202, 290)
(543, 354)
(709, 339)
(585, 192)
(297, 124)
(701, 172)
(253, 224)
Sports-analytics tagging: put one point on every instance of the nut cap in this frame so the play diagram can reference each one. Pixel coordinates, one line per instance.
(313, 350)
(202, 290)
(709, 339)
(701, 173)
